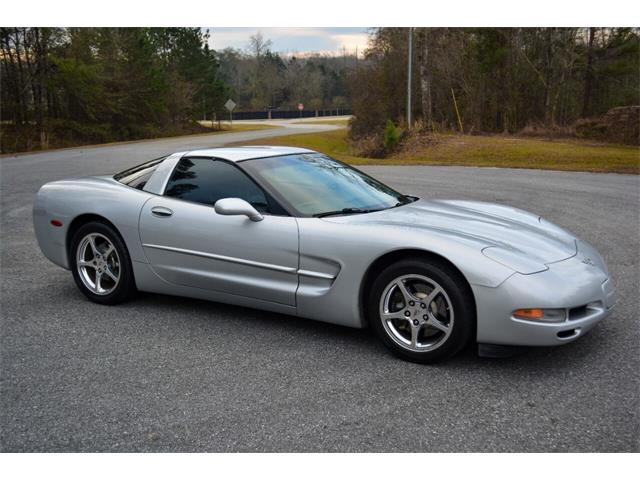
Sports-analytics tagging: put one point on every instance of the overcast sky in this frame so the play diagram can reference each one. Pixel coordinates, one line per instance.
(293, 39)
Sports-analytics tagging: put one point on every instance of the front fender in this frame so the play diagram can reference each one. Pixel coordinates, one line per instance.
(344, 252)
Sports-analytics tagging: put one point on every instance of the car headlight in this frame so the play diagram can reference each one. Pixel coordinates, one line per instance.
(514, 260)
(541, 314)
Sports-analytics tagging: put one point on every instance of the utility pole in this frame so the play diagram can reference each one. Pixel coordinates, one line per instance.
(409, 71)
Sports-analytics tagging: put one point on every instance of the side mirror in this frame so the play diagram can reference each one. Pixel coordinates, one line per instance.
(237, 206)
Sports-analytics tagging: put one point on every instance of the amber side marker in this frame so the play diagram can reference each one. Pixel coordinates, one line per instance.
(529, 313)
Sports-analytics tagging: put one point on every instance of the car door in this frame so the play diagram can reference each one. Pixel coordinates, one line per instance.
(188, 243)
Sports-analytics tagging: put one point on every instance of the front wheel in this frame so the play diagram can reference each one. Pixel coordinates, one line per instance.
(422, 310)
(101, 265)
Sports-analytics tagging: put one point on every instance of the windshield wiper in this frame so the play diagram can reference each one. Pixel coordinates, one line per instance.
(344, 211)
(404, 199)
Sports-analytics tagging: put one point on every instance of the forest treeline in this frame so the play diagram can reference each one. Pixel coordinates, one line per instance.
(495, 79)
(66, 86)
(260, 79)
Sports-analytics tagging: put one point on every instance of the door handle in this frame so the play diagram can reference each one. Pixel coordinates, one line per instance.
(161, 212)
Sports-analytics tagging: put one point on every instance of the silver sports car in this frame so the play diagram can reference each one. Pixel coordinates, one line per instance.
(293, 231)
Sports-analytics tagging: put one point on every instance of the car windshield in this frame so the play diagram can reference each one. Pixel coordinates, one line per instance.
(316, 185)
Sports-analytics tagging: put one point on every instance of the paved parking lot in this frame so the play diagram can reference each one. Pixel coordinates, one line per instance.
(170, 374)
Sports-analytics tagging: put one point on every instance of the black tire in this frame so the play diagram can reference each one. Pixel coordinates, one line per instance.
(458, 292)
(125, 287)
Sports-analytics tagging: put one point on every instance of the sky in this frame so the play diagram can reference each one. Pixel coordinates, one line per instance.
(288, 40)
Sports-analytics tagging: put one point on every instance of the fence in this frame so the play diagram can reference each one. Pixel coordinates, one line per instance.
(275, 114)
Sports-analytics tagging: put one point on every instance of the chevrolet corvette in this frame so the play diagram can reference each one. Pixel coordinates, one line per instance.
(294, 231)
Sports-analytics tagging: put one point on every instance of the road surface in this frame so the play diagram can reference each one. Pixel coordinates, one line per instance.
(169, 374)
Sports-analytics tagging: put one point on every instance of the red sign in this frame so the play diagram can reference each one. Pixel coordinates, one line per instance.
(300, 106)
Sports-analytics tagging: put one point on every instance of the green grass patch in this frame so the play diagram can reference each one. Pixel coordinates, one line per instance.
(334, 143)
(482, 151)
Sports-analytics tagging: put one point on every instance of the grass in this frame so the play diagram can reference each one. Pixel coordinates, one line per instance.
(226, 128)
(333, 143)
(237, 127)
(342, 123)
(483, 151)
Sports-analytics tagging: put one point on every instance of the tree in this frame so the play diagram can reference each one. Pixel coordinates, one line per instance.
(284, 81)
(503, 79)
(77, 85)
(588, 74)
(425, 77)
(258, 46)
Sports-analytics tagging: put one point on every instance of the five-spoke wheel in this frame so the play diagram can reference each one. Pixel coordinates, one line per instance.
(100, 263)
(416, 312)
(422, 309)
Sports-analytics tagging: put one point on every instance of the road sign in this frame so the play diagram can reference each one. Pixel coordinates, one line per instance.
(300, 106)
(230, 105)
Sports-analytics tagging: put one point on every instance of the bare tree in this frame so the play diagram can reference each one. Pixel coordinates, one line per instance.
(425, 76)
(258, 47)
(588, 75)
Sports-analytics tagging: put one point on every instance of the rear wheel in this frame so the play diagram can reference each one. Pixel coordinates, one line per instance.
(101, 265)
(422, 310)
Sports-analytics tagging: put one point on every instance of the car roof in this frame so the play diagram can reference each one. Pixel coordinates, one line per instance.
(236, 154)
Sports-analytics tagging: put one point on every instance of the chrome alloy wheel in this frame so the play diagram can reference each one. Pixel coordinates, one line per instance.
(416, 313)
(98, 264)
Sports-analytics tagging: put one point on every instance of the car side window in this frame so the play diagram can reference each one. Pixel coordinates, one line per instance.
(205, 180)
(138, 176)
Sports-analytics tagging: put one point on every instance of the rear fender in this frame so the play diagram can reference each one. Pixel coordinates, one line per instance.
(67, 200)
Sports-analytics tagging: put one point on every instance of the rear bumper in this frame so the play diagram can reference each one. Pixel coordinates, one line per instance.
(583, 289)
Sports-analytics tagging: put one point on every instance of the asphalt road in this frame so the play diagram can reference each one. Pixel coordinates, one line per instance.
(169, 374)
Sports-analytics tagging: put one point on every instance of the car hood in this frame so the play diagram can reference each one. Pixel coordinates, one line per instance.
(500, 229)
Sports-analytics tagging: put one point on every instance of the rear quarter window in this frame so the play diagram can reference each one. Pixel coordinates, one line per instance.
(138, 176)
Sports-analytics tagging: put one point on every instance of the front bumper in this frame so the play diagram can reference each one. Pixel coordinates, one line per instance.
(584, 289)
